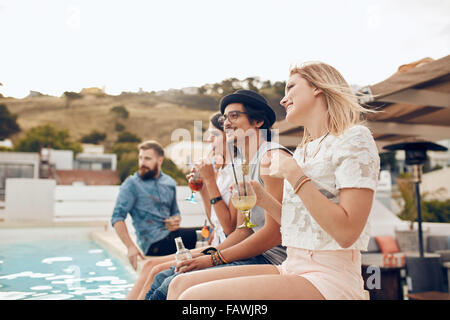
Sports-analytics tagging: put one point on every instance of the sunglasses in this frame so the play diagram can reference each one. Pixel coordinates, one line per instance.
(232, 116)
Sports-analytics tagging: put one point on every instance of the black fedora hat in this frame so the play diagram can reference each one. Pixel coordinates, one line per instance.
(251, 98)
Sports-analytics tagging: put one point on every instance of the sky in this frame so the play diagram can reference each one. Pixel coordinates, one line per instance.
(52, 46)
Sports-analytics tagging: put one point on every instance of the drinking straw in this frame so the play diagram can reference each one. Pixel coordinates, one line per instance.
(230, 145)
(243, 173)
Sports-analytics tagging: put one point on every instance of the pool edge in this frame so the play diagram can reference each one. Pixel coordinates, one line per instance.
(112, 243)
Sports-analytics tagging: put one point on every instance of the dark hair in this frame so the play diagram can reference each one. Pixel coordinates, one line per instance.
(154, 145)
(214, 119)
(255, 114)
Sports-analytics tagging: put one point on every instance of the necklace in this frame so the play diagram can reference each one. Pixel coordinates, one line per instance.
(316, 149)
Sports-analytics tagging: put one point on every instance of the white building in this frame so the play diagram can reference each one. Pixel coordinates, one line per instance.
(190, 90)
(93, 148)
(17, 165)
(94, 158)
(89, 161)
(61, 159)
(6, 143)
(436, 184)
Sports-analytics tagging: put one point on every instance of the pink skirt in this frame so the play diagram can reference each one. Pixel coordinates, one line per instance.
(335, 273)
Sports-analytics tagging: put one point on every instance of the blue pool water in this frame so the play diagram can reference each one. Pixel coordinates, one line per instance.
(57, 270)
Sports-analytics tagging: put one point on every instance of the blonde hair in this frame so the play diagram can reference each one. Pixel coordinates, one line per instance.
(343, 108)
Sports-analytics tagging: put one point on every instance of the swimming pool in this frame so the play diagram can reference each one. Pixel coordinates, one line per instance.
(52, 268)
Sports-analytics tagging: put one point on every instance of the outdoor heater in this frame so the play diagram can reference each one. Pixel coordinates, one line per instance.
(425, 272)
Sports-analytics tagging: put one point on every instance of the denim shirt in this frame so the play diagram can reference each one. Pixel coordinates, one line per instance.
(149, 202)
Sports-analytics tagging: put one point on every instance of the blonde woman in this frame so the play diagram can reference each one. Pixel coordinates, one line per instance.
(328, 192)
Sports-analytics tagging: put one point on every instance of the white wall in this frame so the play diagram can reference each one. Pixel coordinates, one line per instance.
(43, 200)
(97, 202)
(436, 184)
(29, 199)
(85, 201)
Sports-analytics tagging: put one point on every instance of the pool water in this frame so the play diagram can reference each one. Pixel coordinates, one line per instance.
(60, 270)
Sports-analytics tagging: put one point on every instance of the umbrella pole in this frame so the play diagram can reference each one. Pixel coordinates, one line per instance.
(417, 170)
(419, 219)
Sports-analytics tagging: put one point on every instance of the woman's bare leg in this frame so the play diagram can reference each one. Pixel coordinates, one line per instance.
(260, 287)
(186, 280)
(138, 287)
(143, 275)
(242, 282)
(156, 269)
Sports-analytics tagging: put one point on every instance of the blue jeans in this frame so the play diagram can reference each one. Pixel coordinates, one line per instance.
(160, 286)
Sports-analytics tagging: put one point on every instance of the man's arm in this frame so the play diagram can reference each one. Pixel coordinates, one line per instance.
(133, 250)
(205, 199)
(122, 232)
(173, 222)
(125, 201)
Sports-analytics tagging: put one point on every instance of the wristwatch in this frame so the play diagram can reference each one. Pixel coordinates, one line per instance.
(215, 200)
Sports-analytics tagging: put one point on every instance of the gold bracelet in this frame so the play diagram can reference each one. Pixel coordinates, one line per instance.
(301, 184)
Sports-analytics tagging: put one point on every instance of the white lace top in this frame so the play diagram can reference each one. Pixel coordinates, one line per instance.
(350, 160)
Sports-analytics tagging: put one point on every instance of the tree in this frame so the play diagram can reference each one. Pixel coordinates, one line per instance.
(120, 111)
(252, 83)
(227, 86)
(171, 169)
(201, 90)
(94, 137)
(266, 84)
(279, 87)
(124, 148)
(8, 123)
(47, 136)
(127, 136)
(437, 211)
(119, 126)
(408, 196)
(127, 165)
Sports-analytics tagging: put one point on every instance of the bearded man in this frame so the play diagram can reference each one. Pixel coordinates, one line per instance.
(149, 196)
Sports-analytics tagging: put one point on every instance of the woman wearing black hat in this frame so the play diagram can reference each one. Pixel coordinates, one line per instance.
(328, 193)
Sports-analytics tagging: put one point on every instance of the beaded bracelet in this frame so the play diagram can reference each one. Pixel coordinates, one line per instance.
(221, 257)
(301, 184)
(215, 259)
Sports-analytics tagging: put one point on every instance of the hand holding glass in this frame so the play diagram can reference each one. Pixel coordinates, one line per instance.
(196, 184)
(243, 198)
